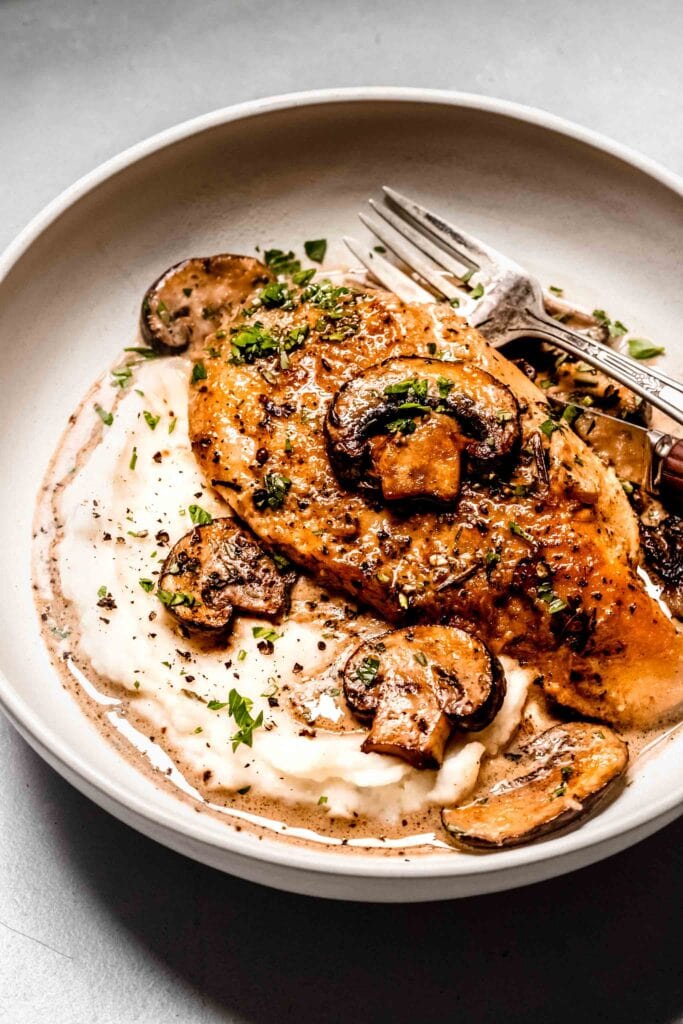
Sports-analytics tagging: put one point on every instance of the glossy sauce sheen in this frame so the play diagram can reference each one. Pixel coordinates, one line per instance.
(102, 524)
(611, 652)
(117, 496)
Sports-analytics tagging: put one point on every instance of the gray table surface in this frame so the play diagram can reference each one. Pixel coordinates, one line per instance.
(97, 923)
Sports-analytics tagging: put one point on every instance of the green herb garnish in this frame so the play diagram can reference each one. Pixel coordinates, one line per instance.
(198, 371)
(173, 598)
(199, 516)
(641, 348)
(273, 493)
(549, 427)
(122, 376)
(265, 633)
(151, 420)
(106, 417)
(367, 670)
(240, 709)
(519, 531)
(281, 262)
(147, 585)
(316, 249)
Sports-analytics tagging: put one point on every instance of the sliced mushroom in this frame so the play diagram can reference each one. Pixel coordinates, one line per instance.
(417, 684)
(663, 549)
(214, 569)
(428, 462)
(563, 772)
(190, 300)
(462, 411)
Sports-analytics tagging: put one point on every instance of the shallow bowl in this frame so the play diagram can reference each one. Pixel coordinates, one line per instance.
(576, 209)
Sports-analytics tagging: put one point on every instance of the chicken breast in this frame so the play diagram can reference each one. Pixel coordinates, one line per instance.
(387, 449)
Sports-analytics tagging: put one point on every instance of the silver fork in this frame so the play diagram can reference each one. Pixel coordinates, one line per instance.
(504, 301)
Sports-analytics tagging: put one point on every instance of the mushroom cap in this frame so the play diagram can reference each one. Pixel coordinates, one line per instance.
(192, 299)
(417, 684)
(561, 775)
(397, 395)
(216, 568)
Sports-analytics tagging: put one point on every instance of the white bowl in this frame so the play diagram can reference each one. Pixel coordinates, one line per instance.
(578, 210)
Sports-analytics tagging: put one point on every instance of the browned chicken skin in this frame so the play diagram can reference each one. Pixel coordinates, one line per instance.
(537, 555)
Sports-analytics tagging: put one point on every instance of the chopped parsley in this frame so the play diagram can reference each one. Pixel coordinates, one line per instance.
(367, 670)
(303, 277)
(275, 295)
(133, 459)
(519, 531)
(556, 290)
(173, 598)
(172, 424)
(198, 371)
(403, 425)
(420, 657)
(254, 342)
(549, 427)
(145, 353)
(216, 705)
(265, 633)
(147, 585)
(151, 420)
(615, 327)
(322, 800)
(199, 516)
(240, 709)
(281, 262)
(491, 560)
(241, 655)
(444, 385)
(122, 376)
(547, 594)
(272, 495)
(106, 417)
(570, 413)
(316, 249)
(282, 564)
(641, 348)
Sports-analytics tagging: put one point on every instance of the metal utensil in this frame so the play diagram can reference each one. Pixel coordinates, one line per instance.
(504, 302)
(651, 459)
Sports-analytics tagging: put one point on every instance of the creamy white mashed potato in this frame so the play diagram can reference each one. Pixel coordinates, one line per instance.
(135, 487)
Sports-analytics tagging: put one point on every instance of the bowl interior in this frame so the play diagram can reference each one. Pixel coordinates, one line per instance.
(576, 215)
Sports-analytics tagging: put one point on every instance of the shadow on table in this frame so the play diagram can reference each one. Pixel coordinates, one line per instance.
(602, 944)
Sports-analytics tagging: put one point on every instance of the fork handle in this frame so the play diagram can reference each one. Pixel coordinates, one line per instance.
(654, 386)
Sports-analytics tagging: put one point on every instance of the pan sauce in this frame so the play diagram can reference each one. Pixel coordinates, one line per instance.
(116, 497)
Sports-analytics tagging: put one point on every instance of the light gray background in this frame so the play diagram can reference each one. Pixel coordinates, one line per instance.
(98, 924)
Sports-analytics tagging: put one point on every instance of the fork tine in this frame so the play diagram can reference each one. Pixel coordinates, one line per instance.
(467, 247)
(412, 256)
(387, 274)
(461, 269)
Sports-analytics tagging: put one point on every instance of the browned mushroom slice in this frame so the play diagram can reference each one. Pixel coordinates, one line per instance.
(416, 684)
(214, 569)
(563, 772)
(434, 411)
(191, 299)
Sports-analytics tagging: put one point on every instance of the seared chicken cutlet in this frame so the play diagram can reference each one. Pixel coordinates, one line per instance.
(387, 449)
